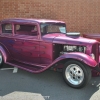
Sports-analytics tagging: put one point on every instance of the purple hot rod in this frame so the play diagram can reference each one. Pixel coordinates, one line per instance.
(36, 45)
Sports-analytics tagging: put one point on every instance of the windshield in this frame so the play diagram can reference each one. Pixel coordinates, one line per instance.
(47, 28)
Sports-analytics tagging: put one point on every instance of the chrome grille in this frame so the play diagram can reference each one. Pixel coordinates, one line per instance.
(95, 51)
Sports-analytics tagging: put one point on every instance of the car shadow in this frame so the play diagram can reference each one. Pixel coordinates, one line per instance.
(47, 83)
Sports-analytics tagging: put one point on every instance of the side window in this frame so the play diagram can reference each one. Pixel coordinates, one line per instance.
(26, 29)
(6, 28)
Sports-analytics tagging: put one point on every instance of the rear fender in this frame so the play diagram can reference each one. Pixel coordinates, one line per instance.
(77, 56)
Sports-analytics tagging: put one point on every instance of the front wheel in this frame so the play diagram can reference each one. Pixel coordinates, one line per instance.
(76, 74)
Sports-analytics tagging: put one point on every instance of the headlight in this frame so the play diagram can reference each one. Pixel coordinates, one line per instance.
(68, 48)
(92, 55)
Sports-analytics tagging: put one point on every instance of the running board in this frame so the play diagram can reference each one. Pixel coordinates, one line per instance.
(27, 67)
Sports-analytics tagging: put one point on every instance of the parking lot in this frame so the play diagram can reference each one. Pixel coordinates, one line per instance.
(48, 85)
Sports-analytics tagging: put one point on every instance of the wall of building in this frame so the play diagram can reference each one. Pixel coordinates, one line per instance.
(80, 15)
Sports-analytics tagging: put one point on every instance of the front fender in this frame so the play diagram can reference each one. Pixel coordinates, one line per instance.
(78, 56)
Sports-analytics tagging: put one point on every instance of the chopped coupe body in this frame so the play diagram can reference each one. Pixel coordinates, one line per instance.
(37, 44)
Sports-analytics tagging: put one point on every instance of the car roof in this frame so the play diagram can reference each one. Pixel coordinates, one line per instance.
(27, 20)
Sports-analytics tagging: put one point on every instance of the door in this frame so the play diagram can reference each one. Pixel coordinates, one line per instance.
(26, 43)
(26, 50)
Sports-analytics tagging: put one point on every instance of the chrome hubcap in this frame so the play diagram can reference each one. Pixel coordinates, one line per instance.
(74, 74)
(0, 58)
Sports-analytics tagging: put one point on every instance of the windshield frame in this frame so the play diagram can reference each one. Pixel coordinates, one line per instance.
(44, 31)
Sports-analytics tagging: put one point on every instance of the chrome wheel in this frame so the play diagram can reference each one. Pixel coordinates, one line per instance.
(1, 58)
(74, 74)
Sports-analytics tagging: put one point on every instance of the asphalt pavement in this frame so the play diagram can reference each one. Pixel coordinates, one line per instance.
(48, 85)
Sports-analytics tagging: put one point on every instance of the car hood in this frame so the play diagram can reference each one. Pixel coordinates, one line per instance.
(64, 39)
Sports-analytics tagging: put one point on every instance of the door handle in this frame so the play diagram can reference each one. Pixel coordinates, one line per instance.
(14, 39)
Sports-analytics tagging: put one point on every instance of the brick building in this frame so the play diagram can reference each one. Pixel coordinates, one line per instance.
(80, 15)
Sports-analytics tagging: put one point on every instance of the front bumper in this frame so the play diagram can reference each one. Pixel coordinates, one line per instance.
(97, 68)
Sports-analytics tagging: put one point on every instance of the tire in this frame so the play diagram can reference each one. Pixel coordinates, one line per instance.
(76, 74)
(1, 61)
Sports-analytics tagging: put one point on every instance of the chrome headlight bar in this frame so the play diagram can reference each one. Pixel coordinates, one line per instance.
(71, 48)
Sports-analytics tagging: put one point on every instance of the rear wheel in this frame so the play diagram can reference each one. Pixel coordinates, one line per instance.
(76, 74)
(1, 61)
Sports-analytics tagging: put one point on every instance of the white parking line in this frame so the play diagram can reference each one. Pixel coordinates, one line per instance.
(15, 69)
(6, 68)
